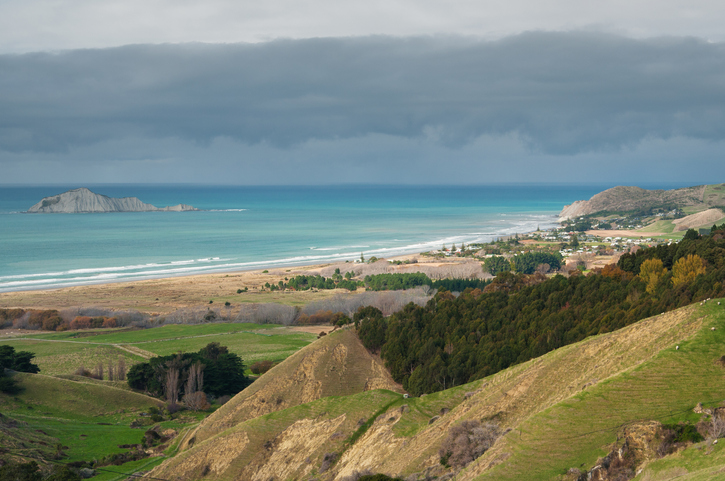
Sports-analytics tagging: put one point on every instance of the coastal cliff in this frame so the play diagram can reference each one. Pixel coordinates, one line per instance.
(82, 200)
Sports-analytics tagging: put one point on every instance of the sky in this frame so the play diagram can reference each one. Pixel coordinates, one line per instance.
(330, 91)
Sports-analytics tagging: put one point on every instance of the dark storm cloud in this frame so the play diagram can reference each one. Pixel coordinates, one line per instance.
(562, 93)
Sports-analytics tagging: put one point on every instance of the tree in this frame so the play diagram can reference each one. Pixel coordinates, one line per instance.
(496, 264)
(691, 234)
(121, 369)
(17, 361)
(195, 380)
(172, 386)
(213, 350)
(686, 269)
(574, 242)
(370, 327)
(651, 271)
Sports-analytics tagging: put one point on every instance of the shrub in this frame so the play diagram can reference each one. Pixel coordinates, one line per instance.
(196, 401)
(10, 386)
(683, 433)
(82, 371)
(260, 367)
(328, 460)
(716, 427)
(39, 319)
(81, 322)
(467, 441)
(109, 322)
(52, 323)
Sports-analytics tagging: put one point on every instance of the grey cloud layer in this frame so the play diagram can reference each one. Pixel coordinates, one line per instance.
(562, 93)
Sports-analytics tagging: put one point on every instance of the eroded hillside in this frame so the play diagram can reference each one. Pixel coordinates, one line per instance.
(336, 365)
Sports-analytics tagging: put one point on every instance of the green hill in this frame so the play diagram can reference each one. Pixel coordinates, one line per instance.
(89, 419)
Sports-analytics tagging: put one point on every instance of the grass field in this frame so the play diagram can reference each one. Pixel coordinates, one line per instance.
(91, 417)
(659, 226)
(61, 353)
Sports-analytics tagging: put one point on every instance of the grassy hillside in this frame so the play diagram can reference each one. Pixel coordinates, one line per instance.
(89, 419)
(562, 410)
(714, 195)
(665, 388)
(335, 365)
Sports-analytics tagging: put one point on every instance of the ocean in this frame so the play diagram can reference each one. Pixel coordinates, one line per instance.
(242, 228)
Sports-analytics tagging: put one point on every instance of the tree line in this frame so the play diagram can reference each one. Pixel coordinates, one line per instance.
(382, 282)
(454, 340)
(526, 263)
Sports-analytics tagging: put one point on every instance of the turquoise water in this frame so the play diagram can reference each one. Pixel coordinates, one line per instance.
(251, 227)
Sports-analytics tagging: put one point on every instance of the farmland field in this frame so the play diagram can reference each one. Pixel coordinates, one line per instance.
(63, 352)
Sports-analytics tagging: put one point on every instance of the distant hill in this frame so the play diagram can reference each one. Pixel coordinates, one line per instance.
(625, 199)
(82, 200)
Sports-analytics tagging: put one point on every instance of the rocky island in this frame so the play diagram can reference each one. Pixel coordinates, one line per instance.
(82, 200)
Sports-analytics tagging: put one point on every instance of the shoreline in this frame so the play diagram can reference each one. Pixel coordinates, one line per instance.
(104, 275)
(166, 294)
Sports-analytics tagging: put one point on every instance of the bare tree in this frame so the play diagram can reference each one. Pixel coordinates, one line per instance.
(195, 381)
(543, 268)
(716, 430)
(467, 441)
(98, 373)
(111, 377)
(196, 401)
(172, 386)
(584, 259)
(121, 369)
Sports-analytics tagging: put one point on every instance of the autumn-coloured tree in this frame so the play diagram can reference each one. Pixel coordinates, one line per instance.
(109, 322)
(686, 269)
(81, 322)
(615, 272)
(651, 271)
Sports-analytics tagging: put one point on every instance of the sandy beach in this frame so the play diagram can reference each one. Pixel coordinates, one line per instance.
(159, 296)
